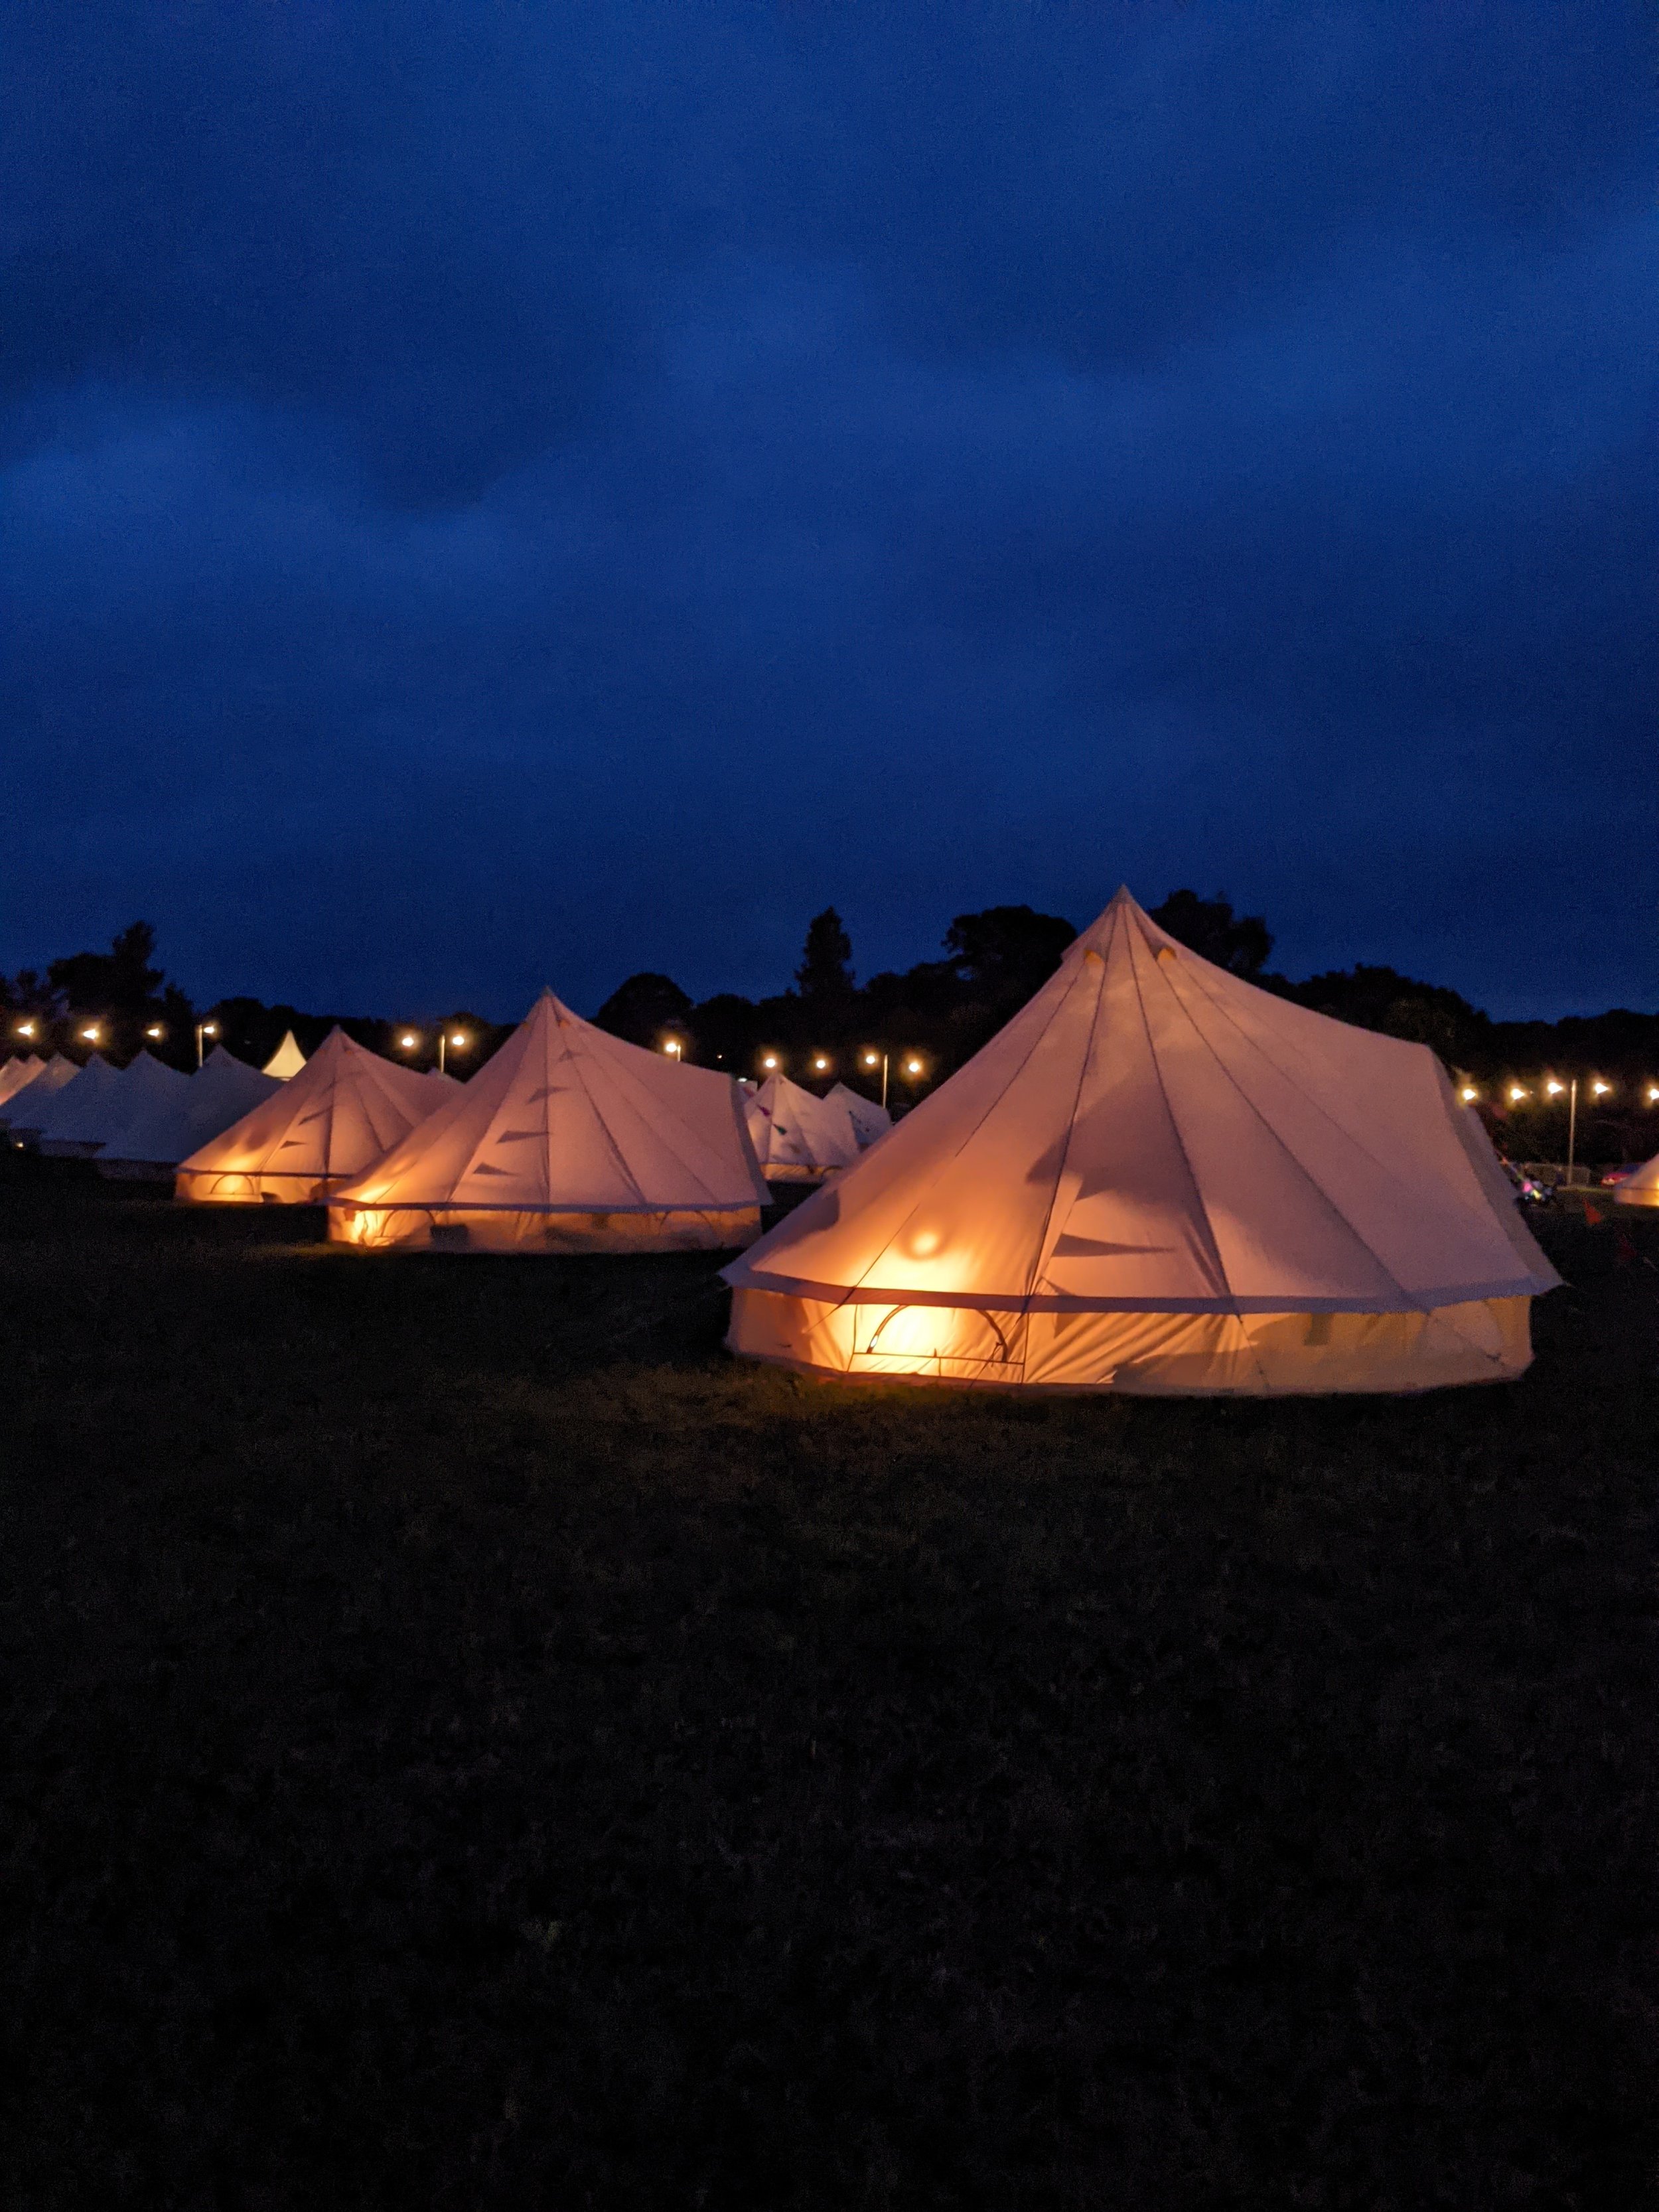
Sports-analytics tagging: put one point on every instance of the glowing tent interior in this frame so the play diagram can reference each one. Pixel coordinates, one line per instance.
(1641, 1188)
(569, 1140)
(1161, 1180)
(345, 1109)
(798, 1136)
(150, 1143)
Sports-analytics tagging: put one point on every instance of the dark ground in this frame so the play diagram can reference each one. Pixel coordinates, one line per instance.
(469, 1744)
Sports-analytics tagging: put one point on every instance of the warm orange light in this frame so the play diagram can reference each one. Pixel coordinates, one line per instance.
(913, 1067)
(1554, 1088)
(820, 1063)
(460, 1041)
(1653, 1094)
(26, 1029)
(1516, 1094)
(157, 1031)
(673, 1047)
(1599, 1089)
(91, 1035)
(409, 1041)
(209, 1028)
(1467, 1094)
(871, 1058)
(768, 1060)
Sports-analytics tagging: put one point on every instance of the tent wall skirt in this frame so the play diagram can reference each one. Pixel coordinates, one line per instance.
(459, 1229)
(1142, 1354)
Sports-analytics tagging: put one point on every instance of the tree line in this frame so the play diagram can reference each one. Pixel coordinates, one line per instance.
(939, 1011)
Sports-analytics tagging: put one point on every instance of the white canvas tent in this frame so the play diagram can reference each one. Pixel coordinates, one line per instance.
(89, 1087)
(87, 1112)
(15, 1073)
(869, 1120)
(288, 1059)
(798, 1136)
(1158, 1179)
(1641, 1188)
(148, 1144)
(23, 1110)
(345, 1109)
(569, 1140)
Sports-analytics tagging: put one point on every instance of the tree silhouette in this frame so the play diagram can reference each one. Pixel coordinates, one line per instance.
(1238, 943)
(1007, 950)
(640, 1009)
(825, 974)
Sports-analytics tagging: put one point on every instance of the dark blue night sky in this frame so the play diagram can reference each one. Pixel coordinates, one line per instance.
(499, 493)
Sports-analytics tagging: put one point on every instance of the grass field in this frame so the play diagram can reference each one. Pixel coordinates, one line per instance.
(469, 1743)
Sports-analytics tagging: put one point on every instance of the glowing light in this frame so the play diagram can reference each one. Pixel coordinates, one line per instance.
(820, 1063)
(1599, 1089)
(1516, 1094)
(1469, 1094)
(408, 1040)
(870, 1058)
(26, 1029)
(460, 1041)
(209, 1028)
(1554, 1088)
(913, 1067)
(156, 1031)
(768, 1060)
(1653, 1094)
(91, 1034)
(673, 1047)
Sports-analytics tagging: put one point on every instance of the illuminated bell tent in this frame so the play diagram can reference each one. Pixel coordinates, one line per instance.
(798, 1136)
(569, 1140)
(287, 1061)
(1158, 1179)
(24, 1108)
(345, 1109)
(869, 1120)
(148, 1144)
(1641, 1188)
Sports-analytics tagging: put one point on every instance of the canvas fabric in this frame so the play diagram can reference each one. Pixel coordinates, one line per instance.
(869, 1120)
(287, 1061)
(568, 1139)
(18, 1072)
(1641, 1188)
(1154, 1137)
(346, 1108)
(798, 1136)
(27, 1105)
(151, 1143)
(88, 1114)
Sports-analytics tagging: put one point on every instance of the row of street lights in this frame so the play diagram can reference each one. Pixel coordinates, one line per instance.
(1554, 1086)
(448, 1041)
(912, 1066)
(93, 1034)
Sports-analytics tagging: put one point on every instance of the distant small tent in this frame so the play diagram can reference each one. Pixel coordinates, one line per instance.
(82, 1086)
(1641, 1188)
(15, 1073)
(88, 1112)
(345, 1109)
(287, 1061)
(567, 1140)
(869, 1120)
(798, 1136)
(24, 1108)
(1159, 1179)
(148, 1145)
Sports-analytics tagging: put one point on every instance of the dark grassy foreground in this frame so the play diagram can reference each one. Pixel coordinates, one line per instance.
(470, 1744)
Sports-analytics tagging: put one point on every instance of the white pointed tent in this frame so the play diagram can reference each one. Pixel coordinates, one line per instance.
(288, 1059)
(1641, 1188)
(27, 1105)
(1161, 1180)
(345, 1109)
(86, 1114)
(150, 1143)
(798, 1136)
(14, 1073)
(569, 1140)
(869, 1120)
(90, 1085)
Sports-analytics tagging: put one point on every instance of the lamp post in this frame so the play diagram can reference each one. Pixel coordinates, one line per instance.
(460, 1041)
(203, 1029)
(870, 1061)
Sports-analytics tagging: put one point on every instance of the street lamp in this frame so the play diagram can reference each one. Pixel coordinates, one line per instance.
(26, 1029)
(156, 1031)
(408, 1040)
(913, 1066)
(769, 1062)
(91, 1033)
(674, 1047)
(1469, 1094)
(878, 1059)
(820, 1064)
(1516, 1094)
(203, 1029)
(458, 1042)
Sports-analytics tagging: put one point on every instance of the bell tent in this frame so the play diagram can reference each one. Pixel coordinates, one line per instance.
(86, 1115)
(569, 1140)
(86, 1089)
(1641, 1188)
(345, 1109)
(288, 1059)
(18, 1072)
(797, 1137)
(869, 1120)
(24, 1110)
(150, 1143)
(1158, 1179)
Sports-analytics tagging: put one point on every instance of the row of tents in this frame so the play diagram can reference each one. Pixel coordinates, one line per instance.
(1156, 1179)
